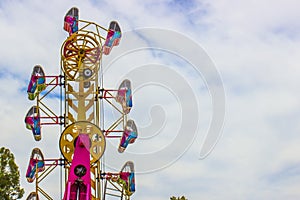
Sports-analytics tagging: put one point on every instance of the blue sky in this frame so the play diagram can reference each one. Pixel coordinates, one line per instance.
(255, 48)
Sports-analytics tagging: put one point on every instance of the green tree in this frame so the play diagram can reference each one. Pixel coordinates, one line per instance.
(178, 198)
(9, 176)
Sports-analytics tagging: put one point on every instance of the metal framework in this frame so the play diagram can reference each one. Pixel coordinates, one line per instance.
(82, 97)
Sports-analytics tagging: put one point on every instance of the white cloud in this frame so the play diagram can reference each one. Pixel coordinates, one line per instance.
(255, 46)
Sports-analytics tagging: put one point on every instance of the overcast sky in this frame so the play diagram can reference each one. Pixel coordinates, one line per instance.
(176, 66)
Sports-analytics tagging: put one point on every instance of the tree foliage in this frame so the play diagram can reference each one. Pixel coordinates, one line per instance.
(9, 176)
(178, 198)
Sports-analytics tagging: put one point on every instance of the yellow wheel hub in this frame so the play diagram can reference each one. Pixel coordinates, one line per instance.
(70, 134)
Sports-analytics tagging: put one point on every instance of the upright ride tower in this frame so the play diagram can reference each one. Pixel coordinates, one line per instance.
(83, 139)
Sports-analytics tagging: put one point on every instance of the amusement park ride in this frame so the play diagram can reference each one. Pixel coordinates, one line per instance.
(83, 140)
